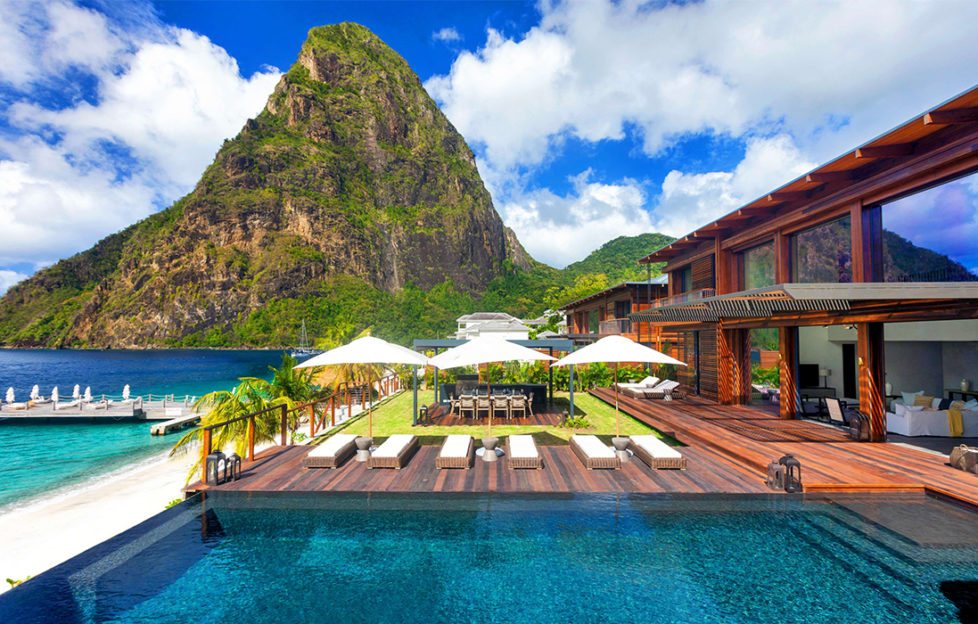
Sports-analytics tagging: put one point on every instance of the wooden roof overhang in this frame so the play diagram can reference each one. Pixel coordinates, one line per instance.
(773, 301)
(623, 286)
(945, 134)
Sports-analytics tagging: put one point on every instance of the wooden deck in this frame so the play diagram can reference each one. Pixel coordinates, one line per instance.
(442, 417)
(830, 461)
(280, 469)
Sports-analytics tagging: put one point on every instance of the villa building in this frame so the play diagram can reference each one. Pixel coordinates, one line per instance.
(862, 274)
(607, 313)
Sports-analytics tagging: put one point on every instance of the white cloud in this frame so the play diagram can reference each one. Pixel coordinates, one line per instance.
(799, 82)
(559, 230)
(165, 99)
(9, 278)
(446, 34)
(689, 200)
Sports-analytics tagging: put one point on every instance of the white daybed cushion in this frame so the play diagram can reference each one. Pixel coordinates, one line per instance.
(592, 446)
(666, 384)
(394, 445)
(522, 446)
(649, 381)
(332, 445)
(655, 447)
(456, 445)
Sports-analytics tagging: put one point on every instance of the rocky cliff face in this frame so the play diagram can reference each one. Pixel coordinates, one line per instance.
(350, 173)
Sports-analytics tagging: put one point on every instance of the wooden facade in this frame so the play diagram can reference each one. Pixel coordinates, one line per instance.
(708, 265)
(608, 313)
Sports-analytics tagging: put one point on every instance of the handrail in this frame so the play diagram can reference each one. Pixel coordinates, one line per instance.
(387, 385)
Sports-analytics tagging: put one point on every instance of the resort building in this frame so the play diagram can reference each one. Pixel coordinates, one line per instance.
(862, 275)
(607, 313)
(497, 324)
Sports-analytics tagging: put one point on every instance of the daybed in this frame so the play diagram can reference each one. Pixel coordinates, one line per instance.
(331, 453)
(394, 452)
(656, 453)
(456, 452)
(593, 454)
(659, 392)
(638, 389)
(522, 452)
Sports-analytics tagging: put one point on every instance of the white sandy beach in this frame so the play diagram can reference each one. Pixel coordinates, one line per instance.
(43, 534)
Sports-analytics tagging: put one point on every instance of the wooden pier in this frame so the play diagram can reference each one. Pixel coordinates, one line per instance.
(174, 424)
(101, 411)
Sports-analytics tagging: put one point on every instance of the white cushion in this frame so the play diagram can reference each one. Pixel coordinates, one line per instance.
(330, 447)
(592, 446)
(908, 397)
(936, 403)
(522, 446)
(655, 447)
(649, 381)
(970, 405)
(456, 445)
(393, 445)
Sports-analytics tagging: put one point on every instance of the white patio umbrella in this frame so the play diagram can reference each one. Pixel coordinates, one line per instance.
(54, 394)
(484, 350)
(616, 349)
(125, 392)
(10, 395)
(76, 393)
(367, 350)
(35, 393)
(88, 393)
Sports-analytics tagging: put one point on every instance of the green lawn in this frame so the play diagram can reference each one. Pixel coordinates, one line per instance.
(394, 416)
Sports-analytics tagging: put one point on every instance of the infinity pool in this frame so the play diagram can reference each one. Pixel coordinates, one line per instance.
(584, 558)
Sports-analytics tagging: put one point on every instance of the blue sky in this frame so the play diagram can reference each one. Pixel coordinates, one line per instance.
(589, 119)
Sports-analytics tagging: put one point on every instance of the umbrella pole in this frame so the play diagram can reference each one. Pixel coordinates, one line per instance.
(370, 413)
(617, 417)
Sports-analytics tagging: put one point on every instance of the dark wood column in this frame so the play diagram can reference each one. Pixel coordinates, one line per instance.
(788, 348)
(744, 366)
(869, 338)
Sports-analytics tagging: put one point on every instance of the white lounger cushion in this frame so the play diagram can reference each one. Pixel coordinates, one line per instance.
(667, 384)
(522, 446)
(394, 445)
(649, 381)
(332, 445)
(655, 447)
(456, 445)
(592, 446)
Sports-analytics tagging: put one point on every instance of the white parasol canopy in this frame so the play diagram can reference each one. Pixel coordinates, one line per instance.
(10, 395)
(125, 392)
(616, 349)
(35, 393)
(76, 393)
(484, 350)
(367, 350)
(54, 394)
(88, 393)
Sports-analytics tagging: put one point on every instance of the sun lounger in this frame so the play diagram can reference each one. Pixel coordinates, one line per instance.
(660, 390)
(649, 382)
(593, 453)
(331, 453)
(456, 452)
(394, 452)
(16, 406)
(60, 405)
(522, 452)
(656, 453)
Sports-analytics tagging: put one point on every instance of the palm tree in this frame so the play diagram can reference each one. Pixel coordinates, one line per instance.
(288, 387)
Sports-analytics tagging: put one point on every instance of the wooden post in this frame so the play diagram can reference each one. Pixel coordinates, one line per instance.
(788, 343)
(205, 450)
(782, 269)
(332, 410)
(869, 337)
(363, 395)
(349, 401)
(251, 439)
(312, 420)
(725, 367)
(285, 423)
(746, 374)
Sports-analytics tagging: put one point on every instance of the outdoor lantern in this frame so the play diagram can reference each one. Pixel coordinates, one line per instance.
(775, 476)
(423, 414)
(234, 467)
(792, 473)
(215, 468)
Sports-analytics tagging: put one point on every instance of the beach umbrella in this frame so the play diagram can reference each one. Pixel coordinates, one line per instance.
(76, 393)
(10, 395)
(35, 393)
(125, 392)
(367, 350)
(88, 393)
(616, 349)
(54, 394)
(485, 350)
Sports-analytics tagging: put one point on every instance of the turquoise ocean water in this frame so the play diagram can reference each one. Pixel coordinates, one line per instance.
(40, 458)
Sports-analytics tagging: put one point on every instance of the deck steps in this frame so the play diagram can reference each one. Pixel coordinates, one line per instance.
(174, 424)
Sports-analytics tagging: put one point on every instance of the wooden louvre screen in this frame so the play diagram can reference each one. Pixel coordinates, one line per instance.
(708, 369)
(704, 275)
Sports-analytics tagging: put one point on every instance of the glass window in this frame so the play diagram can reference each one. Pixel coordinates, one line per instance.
(823, 254)
(684, 279)
(932, 236)
(593, 321)
(758, 266)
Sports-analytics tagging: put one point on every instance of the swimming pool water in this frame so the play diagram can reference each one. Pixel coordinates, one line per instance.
(359, 558)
